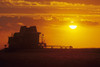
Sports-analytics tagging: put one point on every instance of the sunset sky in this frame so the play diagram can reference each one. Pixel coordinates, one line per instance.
(53, 18)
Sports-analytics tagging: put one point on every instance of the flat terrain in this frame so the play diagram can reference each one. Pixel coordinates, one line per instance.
(51, 58)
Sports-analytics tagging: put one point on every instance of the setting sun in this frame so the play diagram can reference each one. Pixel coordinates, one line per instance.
(73, 26)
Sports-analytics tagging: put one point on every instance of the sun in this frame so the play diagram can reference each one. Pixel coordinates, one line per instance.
(73, 26)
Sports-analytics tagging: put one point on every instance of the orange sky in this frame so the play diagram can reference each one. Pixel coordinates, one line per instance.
(53, 18)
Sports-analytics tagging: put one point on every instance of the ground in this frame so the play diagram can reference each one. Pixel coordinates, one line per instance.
(51, 58)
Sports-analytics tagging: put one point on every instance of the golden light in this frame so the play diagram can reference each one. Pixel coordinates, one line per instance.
(73, 26)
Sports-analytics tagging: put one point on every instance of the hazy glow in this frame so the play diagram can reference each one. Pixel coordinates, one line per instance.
(73, 26)
(72, 21)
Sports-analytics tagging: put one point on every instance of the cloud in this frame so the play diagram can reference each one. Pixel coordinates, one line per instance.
(23, 3)
(21, 24)
(93, 2)
(8, 23)
(45, 7)
(14, 23)
(89, 23)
